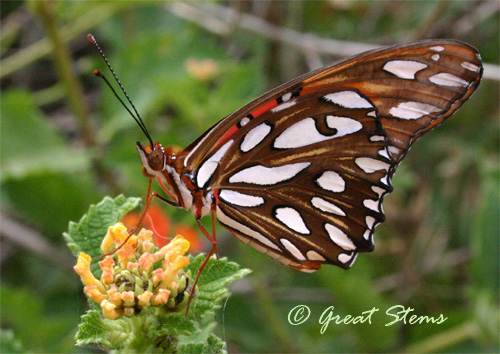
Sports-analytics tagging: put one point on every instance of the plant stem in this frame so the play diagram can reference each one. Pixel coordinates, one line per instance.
(62, 64)
(273, 318)
(73, 88)
(444, 340)
(42, 48)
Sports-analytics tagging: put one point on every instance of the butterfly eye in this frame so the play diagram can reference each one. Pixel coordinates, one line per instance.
(156, 160)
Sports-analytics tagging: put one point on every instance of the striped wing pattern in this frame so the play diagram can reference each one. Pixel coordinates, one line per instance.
(300, 173)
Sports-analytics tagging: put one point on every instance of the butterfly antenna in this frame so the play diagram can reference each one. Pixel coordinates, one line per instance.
(137, 116)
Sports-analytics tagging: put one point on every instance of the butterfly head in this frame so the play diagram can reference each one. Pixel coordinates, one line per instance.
(153, 157)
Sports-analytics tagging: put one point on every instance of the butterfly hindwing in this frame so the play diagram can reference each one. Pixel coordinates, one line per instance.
(307, 180)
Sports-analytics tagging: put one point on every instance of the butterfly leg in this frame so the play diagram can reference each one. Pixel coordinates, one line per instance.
(149, 199)
(210, 253)
(214, 233)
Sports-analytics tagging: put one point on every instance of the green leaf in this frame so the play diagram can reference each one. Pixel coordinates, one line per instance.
(213, 281)
(172, 325)
(48, 200)
(214, 345)
(86, 235)
(29, 144)
(112, 334)
(92, 330)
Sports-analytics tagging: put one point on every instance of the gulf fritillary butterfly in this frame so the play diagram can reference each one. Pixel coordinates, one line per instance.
(300, 172)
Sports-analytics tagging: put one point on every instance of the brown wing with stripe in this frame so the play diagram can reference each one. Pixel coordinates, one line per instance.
(305, 184)
(415, 87)
(452, 72)
(305, 167)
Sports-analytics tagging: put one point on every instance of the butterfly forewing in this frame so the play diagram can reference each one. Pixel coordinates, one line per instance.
(300, 173)
(414, 87)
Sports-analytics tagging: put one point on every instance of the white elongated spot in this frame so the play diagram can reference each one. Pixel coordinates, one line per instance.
(304, 132)
(447, 79)
(245, 230)
(393, 150)
(370, 165)
(383, 152)
(244, 121)
(186, 194)
(378, 190)
(371, 114)
(208, 168)
(256, 245)
(385, 180)
(370, 221)
(240, 199)
(290, 247)
(435, 57)
(331, 181)
(366, 234)
(377, 138)
(412, 110)
(300, 134)
(339, 237)
(348, 99)
(404, 69)
(344, 257)
(371, 204)
(283, 106)
(437, 48)
(343, 125)
(314, 256)
(470, 66)
(326, 206)
(292, 219)
(308, 270)
(286, 96)
(267, 176)
(255, 136)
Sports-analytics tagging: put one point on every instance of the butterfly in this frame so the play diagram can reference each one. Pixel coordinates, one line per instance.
(300, 173)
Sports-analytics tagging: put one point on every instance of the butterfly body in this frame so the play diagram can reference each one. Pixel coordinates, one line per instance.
(300, 173)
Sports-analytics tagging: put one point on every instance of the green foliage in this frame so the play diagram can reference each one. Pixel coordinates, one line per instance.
(9, 343)
(30, 324)
(213, 282)
(40, 172)
(86, 235)
(20, 155)
(214, 345)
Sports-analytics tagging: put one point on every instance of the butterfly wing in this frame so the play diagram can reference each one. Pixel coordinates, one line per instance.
(300, 173)
(457, 65)
(306, 181)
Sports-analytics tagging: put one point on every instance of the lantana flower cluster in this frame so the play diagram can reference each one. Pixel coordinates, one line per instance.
(138, 275)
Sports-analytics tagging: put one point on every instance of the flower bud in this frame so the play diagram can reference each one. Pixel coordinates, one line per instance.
(110, 311)
(128, 298)
(144, 298)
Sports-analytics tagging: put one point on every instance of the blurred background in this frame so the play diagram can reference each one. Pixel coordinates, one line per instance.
(66, 142)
